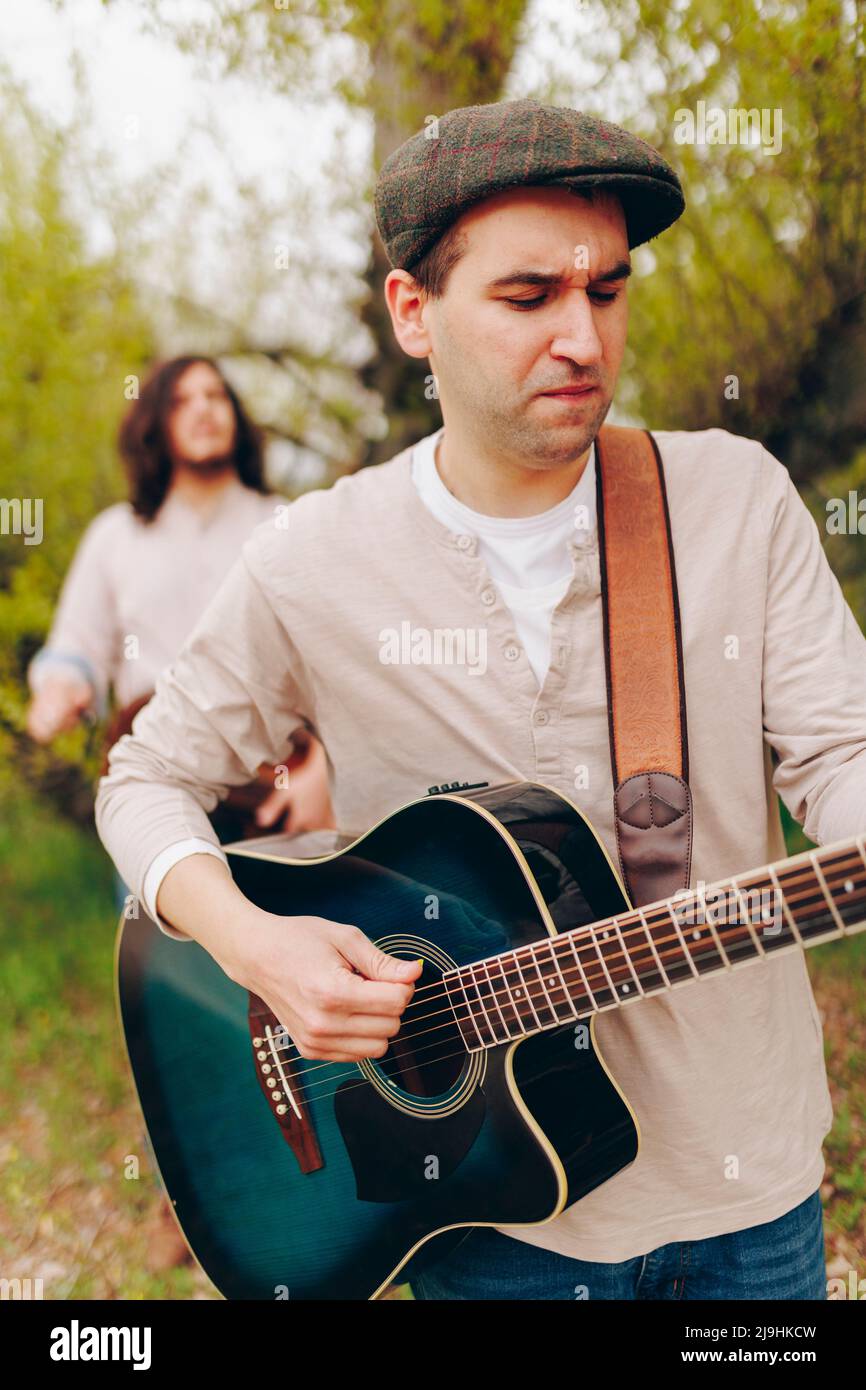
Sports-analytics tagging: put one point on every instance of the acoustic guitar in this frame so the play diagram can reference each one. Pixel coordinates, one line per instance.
(307, 1179)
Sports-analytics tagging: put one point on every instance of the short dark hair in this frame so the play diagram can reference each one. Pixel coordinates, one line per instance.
(143, 445)
(432, 271)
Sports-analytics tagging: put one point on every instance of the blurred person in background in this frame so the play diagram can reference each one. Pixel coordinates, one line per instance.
(146, 569)
(143, 572)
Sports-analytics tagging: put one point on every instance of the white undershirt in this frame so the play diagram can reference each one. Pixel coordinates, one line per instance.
(527, 556)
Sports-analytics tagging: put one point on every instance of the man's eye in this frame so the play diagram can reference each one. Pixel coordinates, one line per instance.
(597, 295)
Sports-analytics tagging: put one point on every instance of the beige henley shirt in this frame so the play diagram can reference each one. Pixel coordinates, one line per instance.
(727, 1078)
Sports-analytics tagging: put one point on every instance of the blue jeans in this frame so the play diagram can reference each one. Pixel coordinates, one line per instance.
(781, 1259)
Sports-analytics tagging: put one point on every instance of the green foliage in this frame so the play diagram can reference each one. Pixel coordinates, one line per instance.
(72, 333)
(772, 246)
(845, 549)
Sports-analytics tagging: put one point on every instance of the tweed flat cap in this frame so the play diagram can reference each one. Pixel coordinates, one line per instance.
(477, 151)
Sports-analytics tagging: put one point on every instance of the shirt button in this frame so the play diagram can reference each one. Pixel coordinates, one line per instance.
(464, 542)
(541, 717)
(512, 653)
(488, 596)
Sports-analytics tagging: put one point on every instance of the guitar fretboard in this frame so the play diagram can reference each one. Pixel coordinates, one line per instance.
(810, 898)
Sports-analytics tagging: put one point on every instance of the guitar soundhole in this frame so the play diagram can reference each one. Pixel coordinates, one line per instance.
(427, 1056)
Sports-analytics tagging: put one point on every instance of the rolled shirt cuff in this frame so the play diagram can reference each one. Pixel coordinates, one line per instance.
(49, 661)
(159, 867)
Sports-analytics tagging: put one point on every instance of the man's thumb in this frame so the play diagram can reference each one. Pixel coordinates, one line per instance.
(378, 965)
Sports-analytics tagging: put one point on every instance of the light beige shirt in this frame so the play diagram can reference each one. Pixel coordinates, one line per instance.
(727, 1077)
(135, 589)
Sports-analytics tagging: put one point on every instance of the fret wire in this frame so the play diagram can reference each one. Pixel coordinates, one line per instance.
(662, 919)
(780, 926)
(836, 870)
(823, 883)
(722, 952)
(583, 974)
(468, 1005)
(547, 999)
(548, 946)
(470, 966)
(649, 937)
(616, 999)
(633, 925)
(602, 957)
(627, 955)
(786, 910)
(749, 923)
(592, 941)
(802, 875)
(803, 893)
(510, 995)
(565, 988)
(842, 864)
(495, 998)
(803, 890)
(677, 929)
(521, 993)
(526, 991)
(600, 954)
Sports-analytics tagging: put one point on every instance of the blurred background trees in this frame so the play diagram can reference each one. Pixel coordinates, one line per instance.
(116, 248)
(760, 283)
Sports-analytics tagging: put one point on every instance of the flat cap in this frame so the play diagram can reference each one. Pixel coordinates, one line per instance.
(476, 151)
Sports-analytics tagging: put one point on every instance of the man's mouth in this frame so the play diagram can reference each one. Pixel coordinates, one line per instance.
(570, 391)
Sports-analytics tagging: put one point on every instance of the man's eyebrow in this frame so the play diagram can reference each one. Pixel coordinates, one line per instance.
(620, 271)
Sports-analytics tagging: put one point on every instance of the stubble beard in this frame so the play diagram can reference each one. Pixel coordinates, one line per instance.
(536, 444)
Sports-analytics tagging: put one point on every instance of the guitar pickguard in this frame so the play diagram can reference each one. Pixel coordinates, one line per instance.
(392, 1153)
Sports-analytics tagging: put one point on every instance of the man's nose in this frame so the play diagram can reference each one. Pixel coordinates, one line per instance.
(577, 337)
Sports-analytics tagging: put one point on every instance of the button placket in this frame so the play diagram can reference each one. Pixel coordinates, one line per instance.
(547, 710)
(497, 616)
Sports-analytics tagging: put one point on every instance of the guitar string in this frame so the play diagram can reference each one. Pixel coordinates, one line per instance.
(534, 1029)
(631, 918)
(587, 936)
(597, 978)
(452, 1024)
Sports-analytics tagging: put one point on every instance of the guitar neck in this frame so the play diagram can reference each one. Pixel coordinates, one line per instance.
(811, 897)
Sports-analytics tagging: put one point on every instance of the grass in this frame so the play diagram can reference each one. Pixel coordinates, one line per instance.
(69, 1120)
(68, 1117)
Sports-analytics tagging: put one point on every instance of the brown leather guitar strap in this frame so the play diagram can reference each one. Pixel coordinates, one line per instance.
(644, 665)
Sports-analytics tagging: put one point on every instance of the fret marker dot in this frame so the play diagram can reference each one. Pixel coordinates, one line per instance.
(625, 989)
(517, 992)
(696, 935)
(605, 934)
(848, 886)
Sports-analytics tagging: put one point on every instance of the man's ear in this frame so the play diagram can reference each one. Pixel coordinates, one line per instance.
(406, 302)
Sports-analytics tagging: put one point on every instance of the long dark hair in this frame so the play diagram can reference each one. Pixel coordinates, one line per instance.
(143, 443)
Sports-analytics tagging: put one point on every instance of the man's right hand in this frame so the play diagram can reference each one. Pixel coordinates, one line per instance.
(57, 706)
(338, 995)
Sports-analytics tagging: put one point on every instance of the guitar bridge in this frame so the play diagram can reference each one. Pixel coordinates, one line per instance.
(273, 1066)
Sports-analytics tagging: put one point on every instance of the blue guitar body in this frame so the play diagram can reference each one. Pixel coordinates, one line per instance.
(303, 1179)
